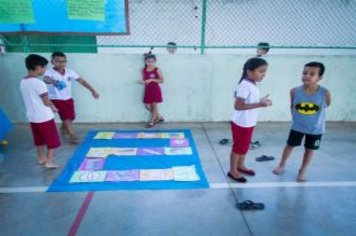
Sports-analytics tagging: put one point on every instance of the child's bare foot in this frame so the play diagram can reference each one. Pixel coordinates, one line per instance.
(301, 176)
(41, 160)
(51, 165)
(74, 139)
(278, 171)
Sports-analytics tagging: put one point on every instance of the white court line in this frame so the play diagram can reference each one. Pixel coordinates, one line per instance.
(215, 186)
(284, 184)
(23, 189)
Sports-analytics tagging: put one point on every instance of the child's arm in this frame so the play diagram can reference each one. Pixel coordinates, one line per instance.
(48, 80)
(292, 93)
(328, 98)
(160, 77)
(48, 102)
(86, 85)
(241, 105)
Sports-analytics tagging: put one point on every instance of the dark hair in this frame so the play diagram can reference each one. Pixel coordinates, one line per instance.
(34, 60)
(317, 65)
(150, 56)
(58, 54)
(252, 64)
(172, 45)
(264, 46)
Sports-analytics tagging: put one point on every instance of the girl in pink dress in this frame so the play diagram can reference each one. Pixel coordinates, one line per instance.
(151, 78)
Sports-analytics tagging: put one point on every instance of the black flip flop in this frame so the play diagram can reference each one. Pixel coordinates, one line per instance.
(224, 141)
(250, 205)
(254, 145)
(264, 158)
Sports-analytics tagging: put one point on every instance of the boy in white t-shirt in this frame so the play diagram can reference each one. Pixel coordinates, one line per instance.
(59, 80)
(39, 110)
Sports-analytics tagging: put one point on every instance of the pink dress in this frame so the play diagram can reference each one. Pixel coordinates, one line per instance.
(152, 90)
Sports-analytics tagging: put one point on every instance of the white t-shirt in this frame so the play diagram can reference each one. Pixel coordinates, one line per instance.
(67, 78)
(250, 92)
(31, 89)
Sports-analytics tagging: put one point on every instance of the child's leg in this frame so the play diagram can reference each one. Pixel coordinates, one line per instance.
(148, 107)
(41, 158)
(154, 116)
(285, 155)
(69, 129)
(307, 157)
(234, 163)
(50, 163)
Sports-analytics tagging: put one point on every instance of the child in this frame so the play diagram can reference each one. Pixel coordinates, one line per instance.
(308, 104)
(39, 110)
(60, 80)
(171, 47)
(247, 100)
(152, 76)
(262, 49)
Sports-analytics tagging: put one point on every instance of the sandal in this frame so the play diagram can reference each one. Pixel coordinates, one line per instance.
(250, 205)
(225, 141)
(264, 158)
(150, 125)
(254, 145)
(160, 120)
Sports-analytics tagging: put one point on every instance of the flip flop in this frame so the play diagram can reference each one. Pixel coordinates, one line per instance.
(240, 179)
(264, 158)
(225, 141)
(150, 125)
(254, 145)
(250, 205)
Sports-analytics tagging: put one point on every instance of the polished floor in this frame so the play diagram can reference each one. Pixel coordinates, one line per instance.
(324, 205)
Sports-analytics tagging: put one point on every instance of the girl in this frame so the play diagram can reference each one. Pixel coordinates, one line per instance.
(247, 99)
(152, 76)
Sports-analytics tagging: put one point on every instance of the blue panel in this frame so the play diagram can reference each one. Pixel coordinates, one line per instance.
(52, 16)
(62, 184)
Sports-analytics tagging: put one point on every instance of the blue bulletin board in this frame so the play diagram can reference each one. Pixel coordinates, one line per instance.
(64, 16)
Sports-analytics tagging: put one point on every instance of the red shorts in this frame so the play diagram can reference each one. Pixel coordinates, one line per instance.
(65, 108)
(45, 133)
(241, 138)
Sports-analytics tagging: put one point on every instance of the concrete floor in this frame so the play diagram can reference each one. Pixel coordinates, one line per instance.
(325, 205)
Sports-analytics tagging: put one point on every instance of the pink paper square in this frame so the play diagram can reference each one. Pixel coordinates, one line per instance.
(92, 164)
(179, 142)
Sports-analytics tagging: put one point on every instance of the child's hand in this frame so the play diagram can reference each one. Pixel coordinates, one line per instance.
(95, 94)
(265, 102)
(148, 81)
(54, 109)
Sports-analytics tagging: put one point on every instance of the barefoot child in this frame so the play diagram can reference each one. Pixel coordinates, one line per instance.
(308, 104)
(39, 110)
(151, 78)
(247, 100)
(59, 79)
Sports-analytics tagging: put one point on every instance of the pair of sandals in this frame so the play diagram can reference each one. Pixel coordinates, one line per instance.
(151, 124)
(250, 205)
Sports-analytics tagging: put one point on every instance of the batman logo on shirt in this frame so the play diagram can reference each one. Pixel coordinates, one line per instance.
(307, 108)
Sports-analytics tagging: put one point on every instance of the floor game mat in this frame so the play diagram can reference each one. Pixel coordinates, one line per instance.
(133, 160)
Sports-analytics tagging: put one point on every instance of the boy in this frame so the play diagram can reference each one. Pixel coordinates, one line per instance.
(262, 49)
(308, 104)
(59, 79)
(172, 47)
(39, 110)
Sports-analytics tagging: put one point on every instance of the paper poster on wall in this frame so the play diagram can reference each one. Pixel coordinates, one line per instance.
(64, 16)
(86, 9)
(16, 12)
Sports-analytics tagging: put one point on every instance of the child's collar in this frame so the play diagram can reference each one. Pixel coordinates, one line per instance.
(60, 72)
(250, 80)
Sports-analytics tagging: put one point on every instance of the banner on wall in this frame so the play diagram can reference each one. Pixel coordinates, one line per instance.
(64, 16)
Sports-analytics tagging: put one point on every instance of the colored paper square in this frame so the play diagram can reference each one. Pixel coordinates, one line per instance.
(104, 135)
(124, 151)
(156, 174)
(185, 173)
(86, 9)
(173, 135)
(149, 151)
(184, 142)
(88, 176)
(99, 152)
(149, 135)
(92, 164)
(123, 175)
(16, 12)
(178, 150)
(125, 135)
